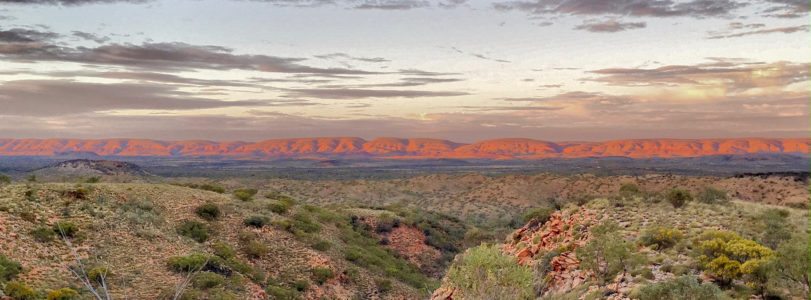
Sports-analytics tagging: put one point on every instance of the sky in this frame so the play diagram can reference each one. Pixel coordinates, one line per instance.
(464, 70)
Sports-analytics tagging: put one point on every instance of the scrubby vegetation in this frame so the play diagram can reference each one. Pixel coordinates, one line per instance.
(678, 197)
(607, 253)
(228, 248)
(194, 230)
(486, 273)
(208, 211)
(683, 287)
(661, 237)
(245, 194)
(9, 269)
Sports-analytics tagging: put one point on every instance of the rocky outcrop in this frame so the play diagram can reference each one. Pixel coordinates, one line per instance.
(547, 246)
(552, 245)
(415, 148)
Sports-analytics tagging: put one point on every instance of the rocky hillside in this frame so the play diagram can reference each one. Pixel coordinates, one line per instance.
(148, 239)
(402, 148)
(636, 247)
(497, 198)
(86, 167)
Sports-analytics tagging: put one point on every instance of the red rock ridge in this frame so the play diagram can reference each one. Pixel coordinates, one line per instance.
(415, 148)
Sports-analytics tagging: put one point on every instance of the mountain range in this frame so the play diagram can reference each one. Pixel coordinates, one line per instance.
(402, 148)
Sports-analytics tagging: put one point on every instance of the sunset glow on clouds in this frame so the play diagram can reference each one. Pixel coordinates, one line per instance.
(455, 69)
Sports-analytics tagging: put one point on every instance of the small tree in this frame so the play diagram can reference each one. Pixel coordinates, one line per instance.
(607, 253)
(791, 267)
(678, 197)
(776, 228)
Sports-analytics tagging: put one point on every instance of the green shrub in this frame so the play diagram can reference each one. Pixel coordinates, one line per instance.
(9, 269)
(281, 293)
(383, 285)
(98, 274)
(189, 263)
(711, 195)
(661, 237)
(141, 212)
(208, 211)
(223, 250)
(255, 249)
(629, 190)
(321, 245)
(19, 291)
(301, 285)
(42, 234)
(386, 222)
(305, 223)
(683, 287)
(4, 179)
(321, 275)
(207, 280)
(245, 194)
(678, 197)
(63, 294)
(487, 273)
(728, 256)
(194, 230)
(256, 221)
(65, 228)
(211, 188)
(644, 272)
(279, 207)
(540, 214)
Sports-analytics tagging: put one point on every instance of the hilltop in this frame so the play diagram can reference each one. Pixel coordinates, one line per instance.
(396, 148)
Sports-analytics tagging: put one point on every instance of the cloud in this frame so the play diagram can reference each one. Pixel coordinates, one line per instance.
(740, 25)
(731, 76)
(738, 116)
(481, 56)
(786, 30)
(20, 35)
(349, 57)
(788, 8)
(91, 37)
(59, 97)
(346, 93)
(609, 25)
(635, 8)
(416, 72)
(369, 4)
(511, 108)
(22, 45)
(392, 4)
(69, 2)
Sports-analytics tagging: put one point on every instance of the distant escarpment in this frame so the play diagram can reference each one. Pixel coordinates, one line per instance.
(396, 148)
